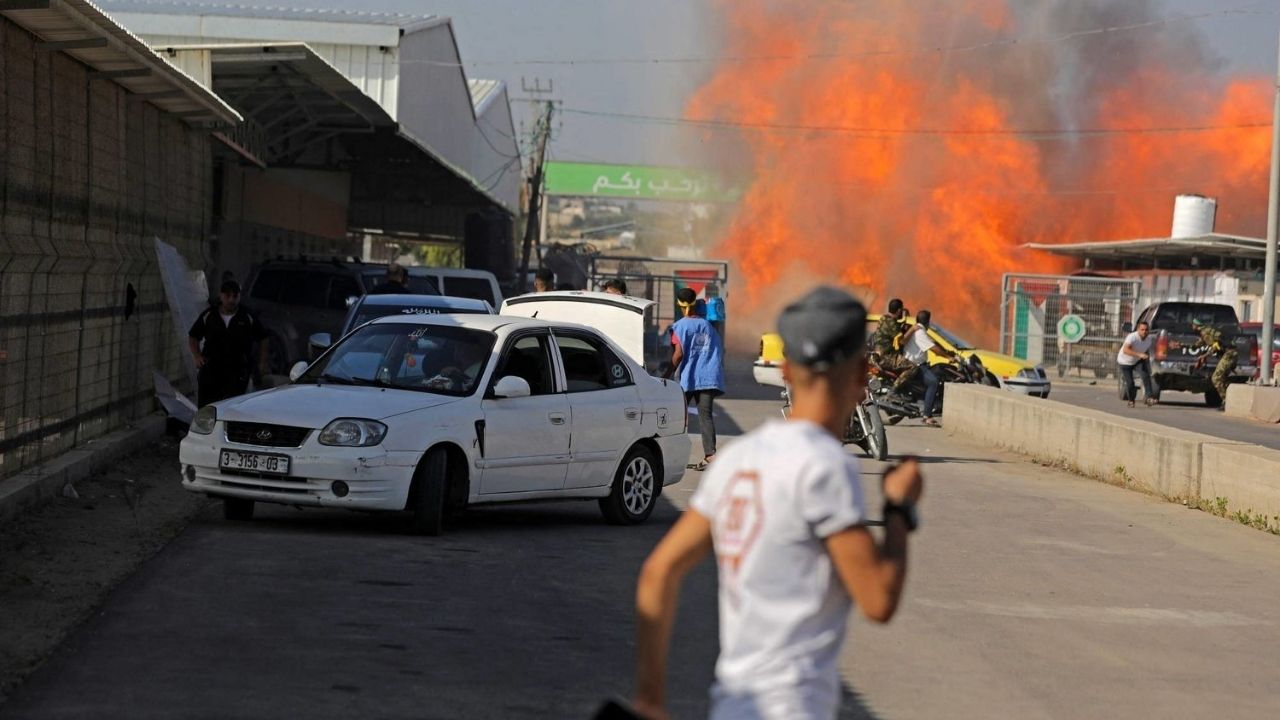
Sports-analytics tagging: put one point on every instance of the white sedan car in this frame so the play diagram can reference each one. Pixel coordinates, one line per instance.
(432, 413)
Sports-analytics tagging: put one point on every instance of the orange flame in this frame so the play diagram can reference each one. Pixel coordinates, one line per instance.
(849, 190)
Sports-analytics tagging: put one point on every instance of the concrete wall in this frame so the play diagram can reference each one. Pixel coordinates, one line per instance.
(90, 176)
(1177, 465)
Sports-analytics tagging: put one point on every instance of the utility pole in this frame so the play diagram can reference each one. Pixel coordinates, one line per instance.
(1273, 231)
(542, 133)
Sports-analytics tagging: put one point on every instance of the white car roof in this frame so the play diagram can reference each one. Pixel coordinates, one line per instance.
(488, 323)
(444, 302)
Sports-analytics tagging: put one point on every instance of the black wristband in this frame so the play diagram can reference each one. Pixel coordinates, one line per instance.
(906, 510)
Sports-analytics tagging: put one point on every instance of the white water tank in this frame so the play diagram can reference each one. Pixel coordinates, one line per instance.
(1193, 216)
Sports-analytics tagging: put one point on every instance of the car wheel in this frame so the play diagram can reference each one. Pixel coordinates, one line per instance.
(635, 489)
(238, 509)
(428, 492)
(1212, 398)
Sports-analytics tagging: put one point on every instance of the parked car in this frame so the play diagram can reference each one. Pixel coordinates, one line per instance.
(1174, 357)
(1255, 329)
(475, 284)
(372, 307)
(1005, 371)
(295, 299)
(431, 413)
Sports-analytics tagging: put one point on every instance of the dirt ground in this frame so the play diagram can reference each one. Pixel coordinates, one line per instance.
(58, 562)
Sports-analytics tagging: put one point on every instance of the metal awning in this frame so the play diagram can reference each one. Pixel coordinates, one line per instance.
(1210, 245)
(292, 99)
(84, 32)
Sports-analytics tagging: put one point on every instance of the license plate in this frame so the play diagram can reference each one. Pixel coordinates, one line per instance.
(254, 462)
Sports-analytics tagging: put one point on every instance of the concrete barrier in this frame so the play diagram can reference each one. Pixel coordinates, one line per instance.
(1151, 457)
(1245, 477)
(1224, 477)
(1254, 402)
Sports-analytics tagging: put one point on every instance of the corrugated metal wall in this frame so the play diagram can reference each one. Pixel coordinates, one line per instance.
(89, 176)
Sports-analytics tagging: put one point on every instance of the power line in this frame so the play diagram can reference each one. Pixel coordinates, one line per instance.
(875, 133)
(923, 50)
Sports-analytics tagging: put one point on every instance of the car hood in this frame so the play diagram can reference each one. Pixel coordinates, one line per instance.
(313, 406)
(999, 363)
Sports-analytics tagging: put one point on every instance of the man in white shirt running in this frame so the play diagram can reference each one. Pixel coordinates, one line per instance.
(1135, 355)
(782, 509)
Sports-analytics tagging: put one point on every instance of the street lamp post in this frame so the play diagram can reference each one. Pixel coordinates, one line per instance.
(1273, 230)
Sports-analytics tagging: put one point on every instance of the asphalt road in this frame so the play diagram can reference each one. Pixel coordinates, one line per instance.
(1183, 411)
(1033, 594)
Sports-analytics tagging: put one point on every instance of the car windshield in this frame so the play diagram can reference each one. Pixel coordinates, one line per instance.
(955, 342)
(442, 359)
(369, 311)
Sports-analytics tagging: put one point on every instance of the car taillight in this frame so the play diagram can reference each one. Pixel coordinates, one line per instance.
(1162, 346)
(1254, 352)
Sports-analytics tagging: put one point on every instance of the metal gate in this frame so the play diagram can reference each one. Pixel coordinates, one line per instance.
(1032, 305)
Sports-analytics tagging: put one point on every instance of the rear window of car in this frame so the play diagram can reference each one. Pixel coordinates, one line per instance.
(1180, 315)
(467, 287)
(307, 288)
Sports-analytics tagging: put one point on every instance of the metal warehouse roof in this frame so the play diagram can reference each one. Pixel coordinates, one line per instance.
(84, 32)
(265, 11)
(1212, 244)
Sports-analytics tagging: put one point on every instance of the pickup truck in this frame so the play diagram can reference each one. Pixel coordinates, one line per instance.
(1174, 355)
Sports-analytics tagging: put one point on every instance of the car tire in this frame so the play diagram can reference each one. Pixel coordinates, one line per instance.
(238, 509)
(1212, 398)
(428, 492)
(636, 486)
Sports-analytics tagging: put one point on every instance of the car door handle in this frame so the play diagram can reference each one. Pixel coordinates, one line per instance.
(556, 418)
(631, 413)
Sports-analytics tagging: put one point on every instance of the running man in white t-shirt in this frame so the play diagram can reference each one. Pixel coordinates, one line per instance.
(782, 509)
(1135, 356)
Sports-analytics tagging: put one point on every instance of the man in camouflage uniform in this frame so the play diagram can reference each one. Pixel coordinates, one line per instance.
(1212, 344)
(887, 341)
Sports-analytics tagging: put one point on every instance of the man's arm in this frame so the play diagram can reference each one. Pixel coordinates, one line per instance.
(657, 591)
(874, 574)
(193, 345)
(1128, 350)
(677, 356)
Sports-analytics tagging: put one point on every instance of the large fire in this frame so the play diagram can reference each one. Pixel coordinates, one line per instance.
(907, 170)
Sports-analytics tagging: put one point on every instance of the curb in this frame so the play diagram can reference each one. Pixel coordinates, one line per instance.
(40, 484)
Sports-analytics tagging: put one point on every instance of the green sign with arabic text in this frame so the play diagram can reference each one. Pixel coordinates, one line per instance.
(638, 182)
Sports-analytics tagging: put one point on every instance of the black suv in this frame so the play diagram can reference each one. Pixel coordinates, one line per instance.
(296, 298)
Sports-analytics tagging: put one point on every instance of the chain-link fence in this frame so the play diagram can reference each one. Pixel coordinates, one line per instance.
(1032, 306)
(89, 176)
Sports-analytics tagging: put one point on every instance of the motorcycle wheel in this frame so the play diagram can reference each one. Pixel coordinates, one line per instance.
(876, 441)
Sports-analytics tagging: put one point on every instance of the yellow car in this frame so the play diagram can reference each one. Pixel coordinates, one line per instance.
(1008, 372)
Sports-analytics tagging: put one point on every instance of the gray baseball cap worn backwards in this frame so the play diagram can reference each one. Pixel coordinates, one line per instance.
(824, 328)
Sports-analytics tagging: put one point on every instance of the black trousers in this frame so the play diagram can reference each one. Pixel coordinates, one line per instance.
(219, 383)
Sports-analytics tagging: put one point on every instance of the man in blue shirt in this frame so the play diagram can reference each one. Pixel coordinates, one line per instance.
(698, 356)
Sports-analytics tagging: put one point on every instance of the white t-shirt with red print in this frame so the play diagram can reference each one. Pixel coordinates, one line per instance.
(772, 497)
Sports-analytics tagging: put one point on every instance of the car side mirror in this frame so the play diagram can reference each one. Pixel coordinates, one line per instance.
(1127, 327)
(321, 341)
(512, 387)
(297, 370)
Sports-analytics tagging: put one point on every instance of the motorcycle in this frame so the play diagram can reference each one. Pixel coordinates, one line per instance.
(902, 403)
(864, 429)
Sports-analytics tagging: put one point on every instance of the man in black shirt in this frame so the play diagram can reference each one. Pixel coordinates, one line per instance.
(224, 360)
(397, 281)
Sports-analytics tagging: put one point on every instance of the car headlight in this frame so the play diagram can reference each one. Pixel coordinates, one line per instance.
(204, 421)
(353, 432)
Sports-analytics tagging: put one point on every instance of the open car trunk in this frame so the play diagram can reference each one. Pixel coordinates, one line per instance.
(622, 319)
